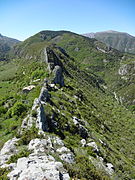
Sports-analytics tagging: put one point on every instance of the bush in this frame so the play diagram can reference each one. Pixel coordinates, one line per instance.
(132, 108)
(2, 110)
(28, 135)
(37, 74)
(34, 113)
(83, 169)
(3, 173)
(17, 109)
(15, 157)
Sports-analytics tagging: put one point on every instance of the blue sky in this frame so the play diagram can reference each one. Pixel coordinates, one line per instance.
(23, 18)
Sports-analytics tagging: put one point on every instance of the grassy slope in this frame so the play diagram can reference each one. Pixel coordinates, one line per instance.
(14, 76)
(106, 119)
(106, 65)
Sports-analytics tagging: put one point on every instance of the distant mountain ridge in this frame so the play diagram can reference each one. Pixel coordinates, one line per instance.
(6, 44)
(121, 41)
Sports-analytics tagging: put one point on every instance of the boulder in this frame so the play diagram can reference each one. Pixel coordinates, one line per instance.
(83, 142)
(93, 145)
(28, 89)
(110, 168)
(36, 80)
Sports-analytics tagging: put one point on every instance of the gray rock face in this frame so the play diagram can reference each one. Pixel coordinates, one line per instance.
(51, 58)
(58, 79)
(44, 95)
(38, 167)
(41, 122)
(41, 145)
(123, 70)
(54, 65)
(53, 145)
(8, 150)
(9, 146)
(81, 129)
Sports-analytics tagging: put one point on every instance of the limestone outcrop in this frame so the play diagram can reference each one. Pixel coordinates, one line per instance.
(80, 126)
(8, 150)
(40, 164)
(58, 76)
(38, 167)
(54, 66)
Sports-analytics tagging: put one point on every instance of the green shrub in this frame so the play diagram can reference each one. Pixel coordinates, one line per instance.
(23, 153)
(37, 74)
(3, 173)
(83, 169)
(34, 113)
(132, 108)
(18, 109)
(2, 110)
(28, 135)
(71, 141)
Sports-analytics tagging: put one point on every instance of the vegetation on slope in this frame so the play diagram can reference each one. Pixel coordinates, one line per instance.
(109, 124)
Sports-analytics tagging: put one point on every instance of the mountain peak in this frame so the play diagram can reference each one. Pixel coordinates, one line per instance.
(121, 41)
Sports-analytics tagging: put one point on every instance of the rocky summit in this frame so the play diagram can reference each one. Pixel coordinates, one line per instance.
(66, 110)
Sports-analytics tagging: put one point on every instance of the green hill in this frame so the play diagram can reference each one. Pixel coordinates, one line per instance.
(75, 78)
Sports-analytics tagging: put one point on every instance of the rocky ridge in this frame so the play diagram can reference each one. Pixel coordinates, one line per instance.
(40, 164)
